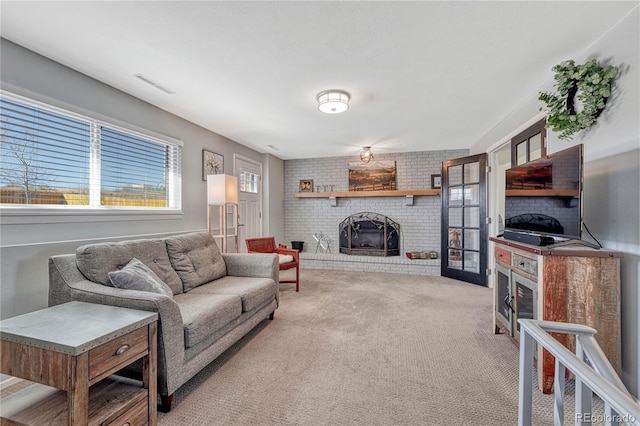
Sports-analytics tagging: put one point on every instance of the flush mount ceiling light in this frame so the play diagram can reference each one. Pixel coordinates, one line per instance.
(333, 101)
(366, 155)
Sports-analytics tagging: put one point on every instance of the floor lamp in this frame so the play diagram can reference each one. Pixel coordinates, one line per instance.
(222, 192)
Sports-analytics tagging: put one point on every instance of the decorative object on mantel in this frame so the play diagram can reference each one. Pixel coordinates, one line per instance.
(436, 181)
(422, 254)
(374, 176)
(306, 185)
(366, 155)
(589, 84)
(366, 194)
(323, 243)
(333, 101)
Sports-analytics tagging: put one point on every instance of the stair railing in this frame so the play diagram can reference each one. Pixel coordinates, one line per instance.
(598, 376)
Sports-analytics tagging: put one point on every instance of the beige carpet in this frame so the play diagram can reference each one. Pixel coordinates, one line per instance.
(365, 349)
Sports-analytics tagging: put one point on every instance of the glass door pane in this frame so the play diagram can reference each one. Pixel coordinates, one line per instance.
(535, 146)
(521, 153)
(504, 296)
(525, 299)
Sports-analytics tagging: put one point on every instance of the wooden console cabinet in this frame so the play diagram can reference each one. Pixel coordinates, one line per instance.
(71, 352)
(571, 284)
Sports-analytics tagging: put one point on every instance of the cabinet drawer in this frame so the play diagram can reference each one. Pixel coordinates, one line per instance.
(503, 255)
(529, 266)
(117, 351)
(135, 416)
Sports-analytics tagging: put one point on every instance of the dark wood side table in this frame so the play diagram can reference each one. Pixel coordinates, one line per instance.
(71, 352)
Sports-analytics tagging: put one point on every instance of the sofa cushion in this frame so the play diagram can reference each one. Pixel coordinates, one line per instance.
(95, 261)
(195, 258)
(204, 314)
(137, 276)
(284, 258)
(253, 291)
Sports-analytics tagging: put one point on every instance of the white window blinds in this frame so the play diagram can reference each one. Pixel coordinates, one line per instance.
(50, 157)
(45, 156)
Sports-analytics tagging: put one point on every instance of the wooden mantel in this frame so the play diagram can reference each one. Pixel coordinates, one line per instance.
(352, 194)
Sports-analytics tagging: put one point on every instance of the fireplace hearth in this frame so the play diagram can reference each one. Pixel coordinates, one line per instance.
(369, 234)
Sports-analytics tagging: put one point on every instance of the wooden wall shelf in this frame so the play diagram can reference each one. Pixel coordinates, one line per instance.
(353, 194)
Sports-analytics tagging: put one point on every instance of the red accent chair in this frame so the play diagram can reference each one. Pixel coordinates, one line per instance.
(268, 245)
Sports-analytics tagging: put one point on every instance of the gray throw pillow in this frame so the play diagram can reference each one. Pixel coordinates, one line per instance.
(137, 276)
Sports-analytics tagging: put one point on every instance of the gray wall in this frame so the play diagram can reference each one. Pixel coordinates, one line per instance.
(28, 240)
(612, 170)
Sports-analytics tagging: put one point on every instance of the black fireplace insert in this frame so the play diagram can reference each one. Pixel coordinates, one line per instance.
(369, 234)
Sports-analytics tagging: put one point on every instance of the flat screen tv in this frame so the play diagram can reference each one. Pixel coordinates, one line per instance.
(544, 196)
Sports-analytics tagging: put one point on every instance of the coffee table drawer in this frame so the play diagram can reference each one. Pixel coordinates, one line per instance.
(117, 351)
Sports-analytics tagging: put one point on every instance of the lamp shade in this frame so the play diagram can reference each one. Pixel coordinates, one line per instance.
(222, 189)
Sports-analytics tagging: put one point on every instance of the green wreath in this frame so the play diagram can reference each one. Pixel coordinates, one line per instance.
(590, 84)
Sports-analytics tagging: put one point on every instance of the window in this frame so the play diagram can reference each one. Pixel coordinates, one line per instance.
(54, 157)
(249, 182)
(529, 145)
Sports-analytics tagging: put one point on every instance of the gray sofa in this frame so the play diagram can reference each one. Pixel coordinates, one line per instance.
(217, 297)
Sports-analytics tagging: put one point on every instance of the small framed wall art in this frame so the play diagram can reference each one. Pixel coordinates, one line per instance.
(436, 181)
(306, 185)
(212, 164)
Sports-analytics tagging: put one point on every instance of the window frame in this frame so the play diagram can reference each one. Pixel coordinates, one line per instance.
(253, 184)
(524, 137)
(35, 213)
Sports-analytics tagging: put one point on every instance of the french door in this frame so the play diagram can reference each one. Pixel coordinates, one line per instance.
(464, 219)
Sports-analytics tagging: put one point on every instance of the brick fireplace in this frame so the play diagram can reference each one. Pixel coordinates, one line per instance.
(419, 219)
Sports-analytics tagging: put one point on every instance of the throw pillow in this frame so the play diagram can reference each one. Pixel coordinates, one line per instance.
(95, 261)
(137, 276)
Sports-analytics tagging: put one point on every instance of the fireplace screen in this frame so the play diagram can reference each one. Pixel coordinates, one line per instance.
(369, 234)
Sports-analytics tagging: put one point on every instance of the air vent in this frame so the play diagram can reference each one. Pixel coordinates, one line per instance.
(275, 148)
(154, 84)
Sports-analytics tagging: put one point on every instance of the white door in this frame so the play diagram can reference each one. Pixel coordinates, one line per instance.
(249, 174)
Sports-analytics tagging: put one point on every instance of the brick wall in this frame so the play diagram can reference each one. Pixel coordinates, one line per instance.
(420, 223)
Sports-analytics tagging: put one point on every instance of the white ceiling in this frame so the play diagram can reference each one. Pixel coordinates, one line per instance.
(422, 75)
